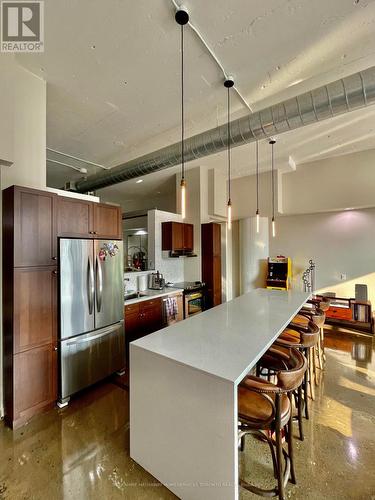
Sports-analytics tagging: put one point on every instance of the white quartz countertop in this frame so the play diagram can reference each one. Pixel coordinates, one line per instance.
(153, 294)
(228, 340)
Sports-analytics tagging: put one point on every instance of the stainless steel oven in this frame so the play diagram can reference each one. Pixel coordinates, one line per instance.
(193, 303)
(194, 296)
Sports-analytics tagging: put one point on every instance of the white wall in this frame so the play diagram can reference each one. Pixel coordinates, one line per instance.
(253, 253)
(339, 243)
(22, 140)
(244, 196)
(171, 268)
(327, 185)
(24, 101)
(333, 184)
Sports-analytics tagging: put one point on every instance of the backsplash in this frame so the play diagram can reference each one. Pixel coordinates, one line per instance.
(131, 279)
(172, 269)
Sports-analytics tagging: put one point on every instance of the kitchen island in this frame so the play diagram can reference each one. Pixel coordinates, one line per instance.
(183, 391)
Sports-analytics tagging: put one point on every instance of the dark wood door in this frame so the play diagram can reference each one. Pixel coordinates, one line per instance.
(35, 307)
(216, 240)
(188, 237)
(216, 273)
(107, 221)
(34, 380)
(211, 263)
(132, 322)
(74, 218)
(34, 228)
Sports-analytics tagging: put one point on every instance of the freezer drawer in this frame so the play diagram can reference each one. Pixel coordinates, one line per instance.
(88, 358)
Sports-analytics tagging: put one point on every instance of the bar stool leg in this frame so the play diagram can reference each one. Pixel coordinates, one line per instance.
(305, 394)
(322, 343)
(320, 351)
(300, 413)
(311, 373)
(289, 429)
(279, 461)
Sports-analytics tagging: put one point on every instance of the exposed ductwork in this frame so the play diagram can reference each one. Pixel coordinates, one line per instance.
(348, 94)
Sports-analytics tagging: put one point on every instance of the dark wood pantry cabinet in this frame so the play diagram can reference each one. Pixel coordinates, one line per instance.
(211, 263)
(32, 222)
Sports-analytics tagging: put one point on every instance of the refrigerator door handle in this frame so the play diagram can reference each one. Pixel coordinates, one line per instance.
(99, 285)
(90, 285)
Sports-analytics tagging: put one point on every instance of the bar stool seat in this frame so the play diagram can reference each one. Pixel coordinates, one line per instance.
(256, 409)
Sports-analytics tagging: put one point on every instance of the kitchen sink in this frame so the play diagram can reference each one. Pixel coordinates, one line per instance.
(135, 295)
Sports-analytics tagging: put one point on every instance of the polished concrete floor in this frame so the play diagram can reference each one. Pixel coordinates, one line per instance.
(81, 452)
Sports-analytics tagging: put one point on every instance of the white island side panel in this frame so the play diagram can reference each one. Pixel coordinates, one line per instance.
(183, 427)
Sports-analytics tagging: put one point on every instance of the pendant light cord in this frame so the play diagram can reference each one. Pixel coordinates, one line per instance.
(182, 107)
(273, 181)
(257, 174)
(229, 155)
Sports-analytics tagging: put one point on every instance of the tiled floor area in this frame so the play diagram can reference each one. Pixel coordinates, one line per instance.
(82, 452)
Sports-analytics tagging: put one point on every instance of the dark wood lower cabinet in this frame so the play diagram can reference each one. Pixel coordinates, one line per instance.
(143, 318)
(35, 382)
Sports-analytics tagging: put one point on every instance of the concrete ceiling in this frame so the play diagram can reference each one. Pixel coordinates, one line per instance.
(113, 76)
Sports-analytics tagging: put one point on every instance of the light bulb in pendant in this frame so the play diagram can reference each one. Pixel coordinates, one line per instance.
(183, 198)
(273, 227)
(229, 215)
(258, 220)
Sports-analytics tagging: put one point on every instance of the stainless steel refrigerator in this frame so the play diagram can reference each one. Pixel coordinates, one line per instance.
(91, 333)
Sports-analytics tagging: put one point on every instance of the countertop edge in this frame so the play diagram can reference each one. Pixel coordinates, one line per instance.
(152, 295)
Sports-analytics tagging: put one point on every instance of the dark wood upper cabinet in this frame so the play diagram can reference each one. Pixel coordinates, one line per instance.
(29, 221)
(74, 218)
(83, 219)
(188, 237)
(177, 237)
(107, 221)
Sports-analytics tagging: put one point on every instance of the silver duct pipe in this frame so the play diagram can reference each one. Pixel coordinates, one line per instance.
(350, 93)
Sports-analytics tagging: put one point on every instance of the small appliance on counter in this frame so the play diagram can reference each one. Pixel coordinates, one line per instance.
(156, 281)
(194, 296)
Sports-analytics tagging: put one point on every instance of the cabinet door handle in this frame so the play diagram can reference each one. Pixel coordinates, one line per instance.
(54, 273)
(54, 258)
(55, 348)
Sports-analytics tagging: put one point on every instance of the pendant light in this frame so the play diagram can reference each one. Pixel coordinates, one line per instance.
(273, 142)
(182, 18)
(257, 183)
(228, 84)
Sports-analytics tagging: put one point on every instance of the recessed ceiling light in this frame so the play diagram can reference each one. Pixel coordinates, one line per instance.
(139, 181)
(93, 47)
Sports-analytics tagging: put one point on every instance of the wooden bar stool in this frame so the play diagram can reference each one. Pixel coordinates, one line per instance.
(322, 303)
(264, 409)
(303, 338)
(317, 316)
